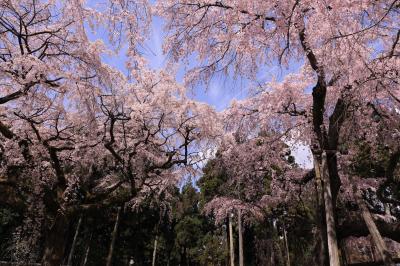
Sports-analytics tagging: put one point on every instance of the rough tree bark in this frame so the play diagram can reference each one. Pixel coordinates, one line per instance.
(113, 238)
(325, 140)
(320, 247)
(334, 258)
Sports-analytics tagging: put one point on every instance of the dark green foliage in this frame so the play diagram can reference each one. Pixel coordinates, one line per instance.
(367, 163)
(198, 241)
(213, 181)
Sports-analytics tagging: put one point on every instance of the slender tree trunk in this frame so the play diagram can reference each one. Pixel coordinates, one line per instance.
(155, 251)
(286, 245)
(334, 259)
(71, 252)
(227, 237)
(85, 260)
(56, 241)
(113, 238)
(241, 258)
(232, 252)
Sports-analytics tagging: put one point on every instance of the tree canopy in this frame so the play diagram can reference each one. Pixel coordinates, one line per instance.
(120, 165)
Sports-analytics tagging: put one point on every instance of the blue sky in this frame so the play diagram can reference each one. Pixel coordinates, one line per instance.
(221, 90)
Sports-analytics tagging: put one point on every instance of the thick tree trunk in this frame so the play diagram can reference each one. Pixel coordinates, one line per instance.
(326, 209)
(113, 238)
(320, 248)
(154, 251)
(241, 258)
(334, 259)
(71, 252)
(232, 252)
(327, 140)
(56, 241)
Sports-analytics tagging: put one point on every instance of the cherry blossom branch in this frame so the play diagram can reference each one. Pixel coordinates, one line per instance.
(219, 4)
(392, 5)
